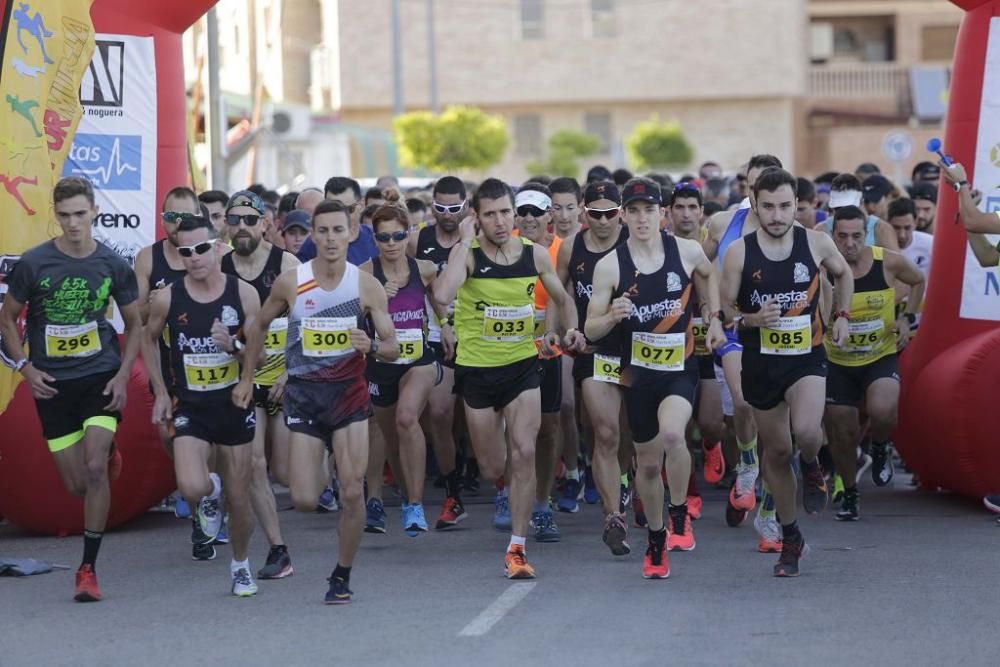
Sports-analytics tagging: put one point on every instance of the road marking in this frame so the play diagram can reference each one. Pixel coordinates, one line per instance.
(500, 607)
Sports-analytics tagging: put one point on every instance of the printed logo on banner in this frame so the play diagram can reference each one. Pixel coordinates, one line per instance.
(110, 161)
(103, 82)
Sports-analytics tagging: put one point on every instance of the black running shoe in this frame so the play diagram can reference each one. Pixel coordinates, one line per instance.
(815, 495)
(727, 481)
(278, 566)
(198, 536)
(734, 517)
(339, 593)
(202, 552)
(881, 463)
(849, 508)
(791, 553)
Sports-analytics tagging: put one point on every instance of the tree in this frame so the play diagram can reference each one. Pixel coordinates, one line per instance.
(658, 145)
(459, 138)
(566, 149)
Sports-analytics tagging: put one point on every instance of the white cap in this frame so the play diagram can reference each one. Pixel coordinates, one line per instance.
(840, 198)
(533, 198)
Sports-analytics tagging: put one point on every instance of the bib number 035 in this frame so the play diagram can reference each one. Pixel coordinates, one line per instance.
(327, 336)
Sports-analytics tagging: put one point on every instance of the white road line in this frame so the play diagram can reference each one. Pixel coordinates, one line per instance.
(500, 607)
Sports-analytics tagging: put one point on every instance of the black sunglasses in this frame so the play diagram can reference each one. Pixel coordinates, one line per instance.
(449, 208)
(385, 237)
(250, 220)
(686, 185)
(197, 248)
(173, 217)
(598, 213)
(528, 209)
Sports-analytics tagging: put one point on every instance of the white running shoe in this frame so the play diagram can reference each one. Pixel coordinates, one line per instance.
(243, 584)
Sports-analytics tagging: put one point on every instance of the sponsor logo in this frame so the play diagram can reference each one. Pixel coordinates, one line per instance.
(182, 318)
(995, 156)
(664, 308)
(757, 275)
(585, 290)
(373, 389)
(673, 282)
(117, 220)
(632, 291)
(180, 421)
(310, 304)
(875, 301)
(250, 420)
(111, 162)
(103, 81)
(229, 316)
(581, 267)
(428, 251)
(485, 269)
(289, 420)
(402, 316)
(789, 299)
(196, 344)
(800, 273)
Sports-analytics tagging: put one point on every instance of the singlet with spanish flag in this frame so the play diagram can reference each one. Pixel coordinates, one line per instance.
(792, 283)
(871, 329)
(495, 315)
(657, 335)
(542, 297)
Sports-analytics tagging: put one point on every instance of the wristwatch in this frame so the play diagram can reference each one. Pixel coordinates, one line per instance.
(911, 318)
(958, 186)
(238, 345)
(374, 347)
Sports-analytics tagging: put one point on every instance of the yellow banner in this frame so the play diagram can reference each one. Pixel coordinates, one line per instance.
(48, 47)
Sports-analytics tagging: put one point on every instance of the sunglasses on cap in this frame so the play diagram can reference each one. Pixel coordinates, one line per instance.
(686, 185)
(250, 219)
(385, 237)
(174, 217)
(529, 210)
(196, 249)
(598, 213)
(449, 208)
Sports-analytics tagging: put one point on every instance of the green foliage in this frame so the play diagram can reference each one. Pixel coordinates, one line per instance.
(658, 145)
(566, 149)
(459, 138)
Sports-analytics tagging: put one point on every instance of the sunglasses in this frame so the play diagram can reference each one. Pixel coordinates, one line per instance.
(449, 208)
(250, 220)
(385, 237)
(687, 185)
(598, 213)
(196, 249)
(174, 217)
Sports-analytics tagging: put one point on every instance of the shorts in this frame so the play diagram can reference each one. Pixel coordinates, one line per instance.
(261, 400)
(217, 421)
(317, 409)
(551, 384)
(847, 385)
(706, 367)
(583, 367)
(383, 385)
(78, 405)
(766, 377)
(496, 387)
(438, 349)
(648, 389)
(732, 344)
(726, 394)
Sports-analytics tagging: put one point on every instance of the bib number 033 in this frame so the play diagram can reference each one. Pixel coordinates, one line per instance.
(508, 324)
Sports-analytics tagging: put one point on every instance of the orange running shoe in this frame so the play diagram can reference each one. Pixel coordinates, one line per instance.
(742, 495)
(87, 589)
(770, 534)
(451, 514)
(694, 504)
(715, 465)
(516, 564)
(681, 536)
(115, 464)
(655, 565)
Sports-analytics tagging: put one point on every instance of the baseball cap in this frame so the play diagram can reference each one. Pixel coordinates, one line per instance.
(639, 190)
(297, 218)
(598, 173)
(246, 198)
(924, 191)
(534, 198)
(875, 187)
(601, 190)
(926, 171)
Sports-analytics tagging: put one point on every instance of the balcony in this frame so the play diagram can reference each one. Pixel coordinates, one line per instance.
(867, 80)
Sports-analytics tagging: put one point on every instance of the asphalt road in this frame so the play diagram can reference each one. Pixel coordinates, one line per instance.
(915, 582)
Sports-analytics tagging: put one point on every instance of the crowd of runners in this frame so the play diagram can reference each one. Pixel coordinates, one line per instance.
(564, 343)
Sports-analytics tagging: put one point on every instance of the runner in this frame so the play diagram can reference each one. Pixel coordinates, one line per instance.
(873, 195)
(643, 293)
(259, 263)
(326, 398)
(497, 373)
(77, 372)
(772, 279)
(205, 312)
(864, 369)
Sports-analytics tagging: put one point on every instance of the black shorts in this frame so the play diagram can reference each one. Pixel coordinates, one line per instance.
(64, 416)
(438, 350)
(261, 400)
(847, 385)
(551, 384)
(706, 367)
(383, 384)
(766, 377)
(496, 387)
(583, 367)
(317, 409)
(646, 391)
(216, 421)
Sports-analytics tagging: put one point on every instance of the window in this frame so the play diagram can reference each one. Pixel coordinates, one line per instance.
(599, 125)
(527, 135)
(532, 19)
(937, 42)
(602, 18)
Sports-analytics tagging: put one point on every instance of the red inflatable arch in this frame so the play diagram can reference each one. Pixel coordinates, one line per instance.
(31, 493)
(951, 376)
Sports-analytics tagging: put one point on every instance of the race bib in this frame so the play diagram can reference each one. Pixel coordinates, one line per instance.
(411, 345)
(789, 336)
(508, 324)
(699, 331)
(539, 324)
(277, 336)
(658, 352)
(209, 372)
(607, 369)
(864, 336)
(327, 337)
(66, 341)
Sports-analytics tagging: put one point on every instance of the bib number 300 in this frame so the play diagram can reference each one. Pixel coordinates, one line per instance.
(789, 336)
(72, 341)
(327, 336)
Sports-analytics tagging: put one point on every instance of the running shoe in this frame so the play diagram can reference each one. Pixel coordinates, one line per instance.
(849, 508)
(544, 525)
(181, 508)
(203, 552)
(694, 504)
(568, 501)
(815, 494)
(339, 593)
(223, 536)
(327, 501)
(616, 534)
(451, 514)
(198, 536)
(624, 498)
(727, 480)
(501, 512)
(243, 584)
(639, 514)
(769, 531)
(734, 517)
(516, 564)
(992, 502)
(209, 517)
(374, 516)
(414, 521)
(881, 464)
(838, 488)
(591, 495)
(715, 464)
(791, 554)
(743, 495)
(115, 463)
(87, 589)
(864, 463)
(681, 537)
(278, 566)
(656, 564)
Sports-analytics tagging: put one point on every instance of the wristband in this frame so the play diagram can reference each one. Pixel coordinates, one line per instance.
(958, 186)
(19, 366)
(717, 314)
(842, 313)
